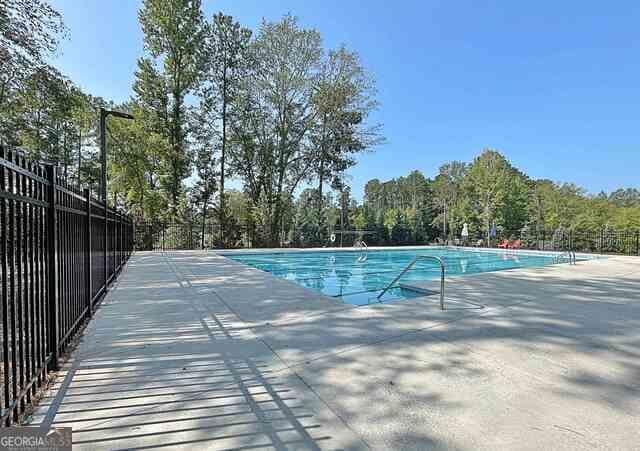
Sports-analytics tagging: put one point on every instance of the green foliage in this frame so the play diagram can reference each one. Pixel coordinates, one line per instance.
(226, 63)
(277, 112)
(174, 36)
(30, 31)
(400, 210)
(135, 165)
(299, 115)
(307, 230)
(486, 184)
(489, 191)
(629, 197)
(344, 98)
(447, 197)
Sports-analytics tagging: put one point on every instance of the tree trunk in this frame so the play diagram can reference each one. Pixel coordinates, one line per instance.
(204, 219)
(488, 214)
(322, 163)
(176, 148)
(444, 222)
(341, 218)
(320, 185)
(79, 155)
(277, 216)
(320, 202)
(65, 156)
(223, 149)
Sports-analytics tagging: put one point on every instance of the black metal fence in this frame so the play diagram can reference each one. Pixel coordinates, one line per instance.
(157, 236)
(603, 241)
(176, 236)
(59, 250)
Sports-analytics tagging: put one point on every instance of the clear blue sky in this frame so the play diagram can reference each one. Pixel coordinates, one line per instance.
(554, 85)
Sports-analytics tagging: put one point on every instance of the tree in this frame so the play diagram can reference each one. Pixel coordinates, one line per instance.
(135, 164)
(307, 222)
(629, 197)
(345, 196)
(343, 99)
(45, 119)
(486, 192)
(227, 44)
(514, 211)
(30, 31)
(486, 184)
(447, 193)
(205, 187)
(85, 120)
(275, 114)
(174, 32)
(239, 216)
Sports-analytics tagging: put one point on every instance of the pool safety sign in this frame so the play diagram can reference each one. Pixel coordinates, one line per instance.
(35, 439)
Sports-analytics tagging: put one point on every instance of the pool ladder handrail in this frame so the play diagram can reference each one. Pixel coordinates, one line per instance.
(410, 265)
(362, 245)
(570, 254)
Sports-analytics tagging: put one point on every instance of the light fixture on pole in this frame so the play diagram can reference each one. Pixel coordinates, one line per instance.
(103, 146)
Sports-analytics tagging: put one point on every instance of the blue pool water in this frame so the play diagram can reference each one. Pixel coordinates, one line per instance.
(358, 280)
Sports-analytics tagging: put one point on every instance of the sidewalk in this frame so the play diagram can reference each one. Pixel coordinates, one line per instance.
(160, 366)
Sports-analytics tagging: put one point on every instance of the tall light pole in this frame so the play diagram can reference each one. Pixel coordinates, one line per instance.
(103, 185)
(103, 146)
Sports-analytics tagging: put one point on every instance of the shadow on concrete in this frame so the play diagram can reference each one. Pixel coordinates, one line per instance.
(559, 343)
(194, 350)
(159, 369)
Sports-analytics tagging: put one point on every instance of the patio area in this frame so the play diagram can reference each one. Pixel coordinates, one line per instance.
(195, 351)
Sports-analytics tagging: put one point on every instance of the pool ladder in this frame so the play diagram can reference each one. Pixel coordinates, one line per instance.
(362, 245)
(571, 255)
(410, 265)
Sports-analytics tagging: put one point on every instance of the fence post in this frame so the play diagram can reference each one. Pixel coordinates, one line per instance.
(120, 240)
(116, 241)
(106, 244)
(87, 265)
(571, 248)
(119, 251)
(52, 269)
(601, 242)
(637, 242)
(163, 227)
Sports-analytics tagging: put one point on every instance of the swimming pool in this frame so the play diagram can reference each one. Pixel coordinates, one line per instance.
(357, 277)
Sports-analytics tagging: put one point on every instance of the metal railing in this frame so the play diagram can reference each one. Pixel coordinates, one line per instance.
(571, 255)
(410, 265)
(600, 241)
(59, 250)
(363, 246)
(160, 236)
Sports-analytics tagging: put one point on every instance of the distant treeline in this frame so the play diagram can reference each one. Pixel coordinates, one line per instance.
(487, 192)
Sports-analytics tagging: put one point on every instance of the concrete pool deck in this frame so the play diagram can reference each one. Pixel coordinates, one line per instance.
(192, 350)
